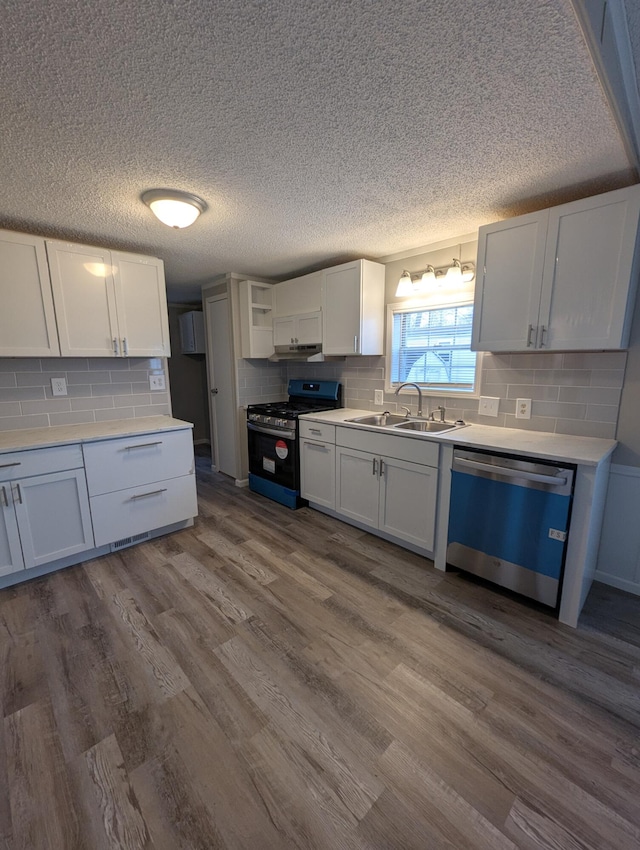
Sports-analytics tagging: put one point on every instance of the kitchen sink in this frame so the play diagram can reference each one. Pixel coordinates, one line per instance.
(383, 420)
(426, 425)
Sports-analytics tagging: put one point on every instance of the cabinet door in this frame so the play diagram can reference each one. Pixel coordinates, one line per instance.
(298, 295)
(357, 485)
(318, 473)
(53, 516)
(284, 330)
(507, 301)
(10, 550)
(141, 304)
(84, 298)
(408, 493)
(308, 328)
(587, 273)
(342, 310)
(27, 318)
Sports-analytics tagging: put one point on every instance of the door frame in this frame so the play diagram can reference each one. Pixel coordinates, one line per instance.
(207, 300)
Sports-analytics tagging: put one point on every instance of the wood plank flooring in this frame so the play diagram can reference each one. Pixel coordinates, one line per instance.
(277, 679)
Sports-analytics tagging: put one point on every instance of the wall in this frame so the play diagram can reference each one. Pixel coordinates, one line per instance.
(188, 379)
(98, 389)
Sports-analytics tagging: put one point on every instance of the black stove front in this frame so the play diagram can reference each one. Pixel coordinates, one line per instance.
(274, 467)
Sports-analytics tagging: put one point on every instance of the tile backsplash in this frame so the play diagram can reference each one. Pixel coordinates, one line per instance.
(98, 389)
(572, 393)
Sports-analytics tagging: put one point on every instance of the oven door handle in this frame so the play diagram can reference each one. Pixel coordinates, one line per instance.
(285, 433)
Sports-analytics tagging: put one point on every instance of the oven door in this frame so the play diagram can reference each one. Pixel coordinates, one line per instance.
(273, 455)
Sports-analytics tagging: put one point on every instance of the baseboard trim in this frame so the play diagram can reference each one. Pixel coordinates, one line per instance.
(619, 583)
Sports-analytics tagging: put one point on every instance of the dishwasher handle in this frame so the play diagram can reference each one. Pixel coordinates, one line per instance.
(507, 472)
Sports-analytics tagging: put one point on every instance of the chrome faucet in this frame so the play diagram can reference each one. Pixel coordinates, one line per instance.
(411, 384)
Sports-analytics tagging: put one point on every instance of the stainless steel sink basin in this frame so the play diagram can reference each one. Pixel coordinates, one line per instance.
(426, 425)
(382, 420)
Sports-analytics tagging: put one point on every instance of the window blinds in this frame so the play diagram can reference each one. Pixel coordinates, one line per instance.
(432, 347)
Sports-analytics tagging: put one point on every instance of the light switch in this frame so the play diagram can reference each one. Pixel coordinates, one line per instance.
(488, 406)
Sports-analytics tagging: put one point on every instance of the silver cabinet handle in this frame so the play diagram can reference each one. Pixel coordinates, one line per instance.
(146, 495)
(141, 446)
(543, 336)
(5, 501)
(529, 335)
(355, 344)
(375, 466)
(125, 347)
(5, 465)
(382, 467)
(315, 430)
(116, 349)
(19, 492)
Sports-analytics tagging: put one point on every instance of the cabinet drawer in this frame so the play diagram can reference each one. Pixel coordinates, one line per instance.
(139, 509)
(412, 449)
(40, 461)
(318, 431)
(131, 461)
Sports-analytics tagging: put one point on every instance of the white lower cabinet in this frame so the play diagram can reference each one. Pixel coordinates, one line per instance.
(138, 484)
(386, 482)
(61, 501)
(395, 496)
(318, 472)
(44, 517)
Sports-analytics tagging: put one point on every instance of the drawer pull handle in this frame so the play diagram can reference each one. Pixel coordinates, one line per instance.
(315, 430)
(146, 495)
(142, 446)
(5, 500)
(5, 465)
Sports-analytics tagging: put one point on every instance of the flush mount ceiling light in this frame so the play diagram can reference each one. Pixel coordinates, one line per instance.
(431, 278)
(173, 208)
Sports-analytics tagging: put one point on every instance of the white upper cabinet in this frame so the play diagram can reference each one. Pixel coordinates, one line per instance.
(141, 305)
(27, 318)
(303, 329)
(108, 303)
(353, 308)
(298, 295)
(256, 308)
(559, 280)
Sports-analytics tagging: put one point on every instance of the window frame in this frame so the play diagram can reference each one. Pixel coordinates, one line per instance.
(415, 305)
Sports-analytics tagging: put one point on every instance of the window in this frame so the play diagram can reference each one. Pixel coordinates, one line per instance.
(430, 346)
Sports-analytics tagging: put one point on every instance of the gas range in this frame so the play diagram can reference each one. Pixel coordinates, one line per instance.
(274, 467)
(304, 397)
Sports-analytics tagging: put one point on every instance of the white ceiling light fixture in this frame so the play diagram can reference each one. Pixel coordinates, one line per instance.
(433, 278)
(173, 208)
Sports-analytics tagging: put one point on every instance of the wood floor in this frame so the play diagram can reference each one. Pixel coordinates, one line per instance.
(277, 679)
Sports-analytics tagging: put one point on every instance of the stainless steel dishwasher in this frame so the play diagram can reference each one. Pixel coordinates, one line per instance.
(509, 520)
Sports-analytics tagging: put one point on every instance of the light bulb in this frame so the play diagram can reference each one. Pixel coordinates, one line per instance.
(405, 285)
(454, 272)
(173, 208)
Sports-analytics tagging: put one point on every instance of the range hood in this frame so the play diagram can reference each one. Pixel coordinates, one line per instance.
(310, 353)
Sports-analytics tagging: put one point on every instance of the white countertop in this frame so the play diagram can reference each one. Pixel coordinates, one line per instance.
(589, 451)
(37, 438)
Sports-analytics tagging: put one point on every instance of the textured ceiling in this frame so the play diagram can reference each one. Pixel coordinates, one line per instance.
(315, 131)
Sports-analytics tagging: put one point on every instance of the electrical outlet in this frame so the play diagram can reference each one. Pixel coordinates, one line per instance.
(157, 382)
(523, 408)
(488, 406)
(59, 386)
(378, 397)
